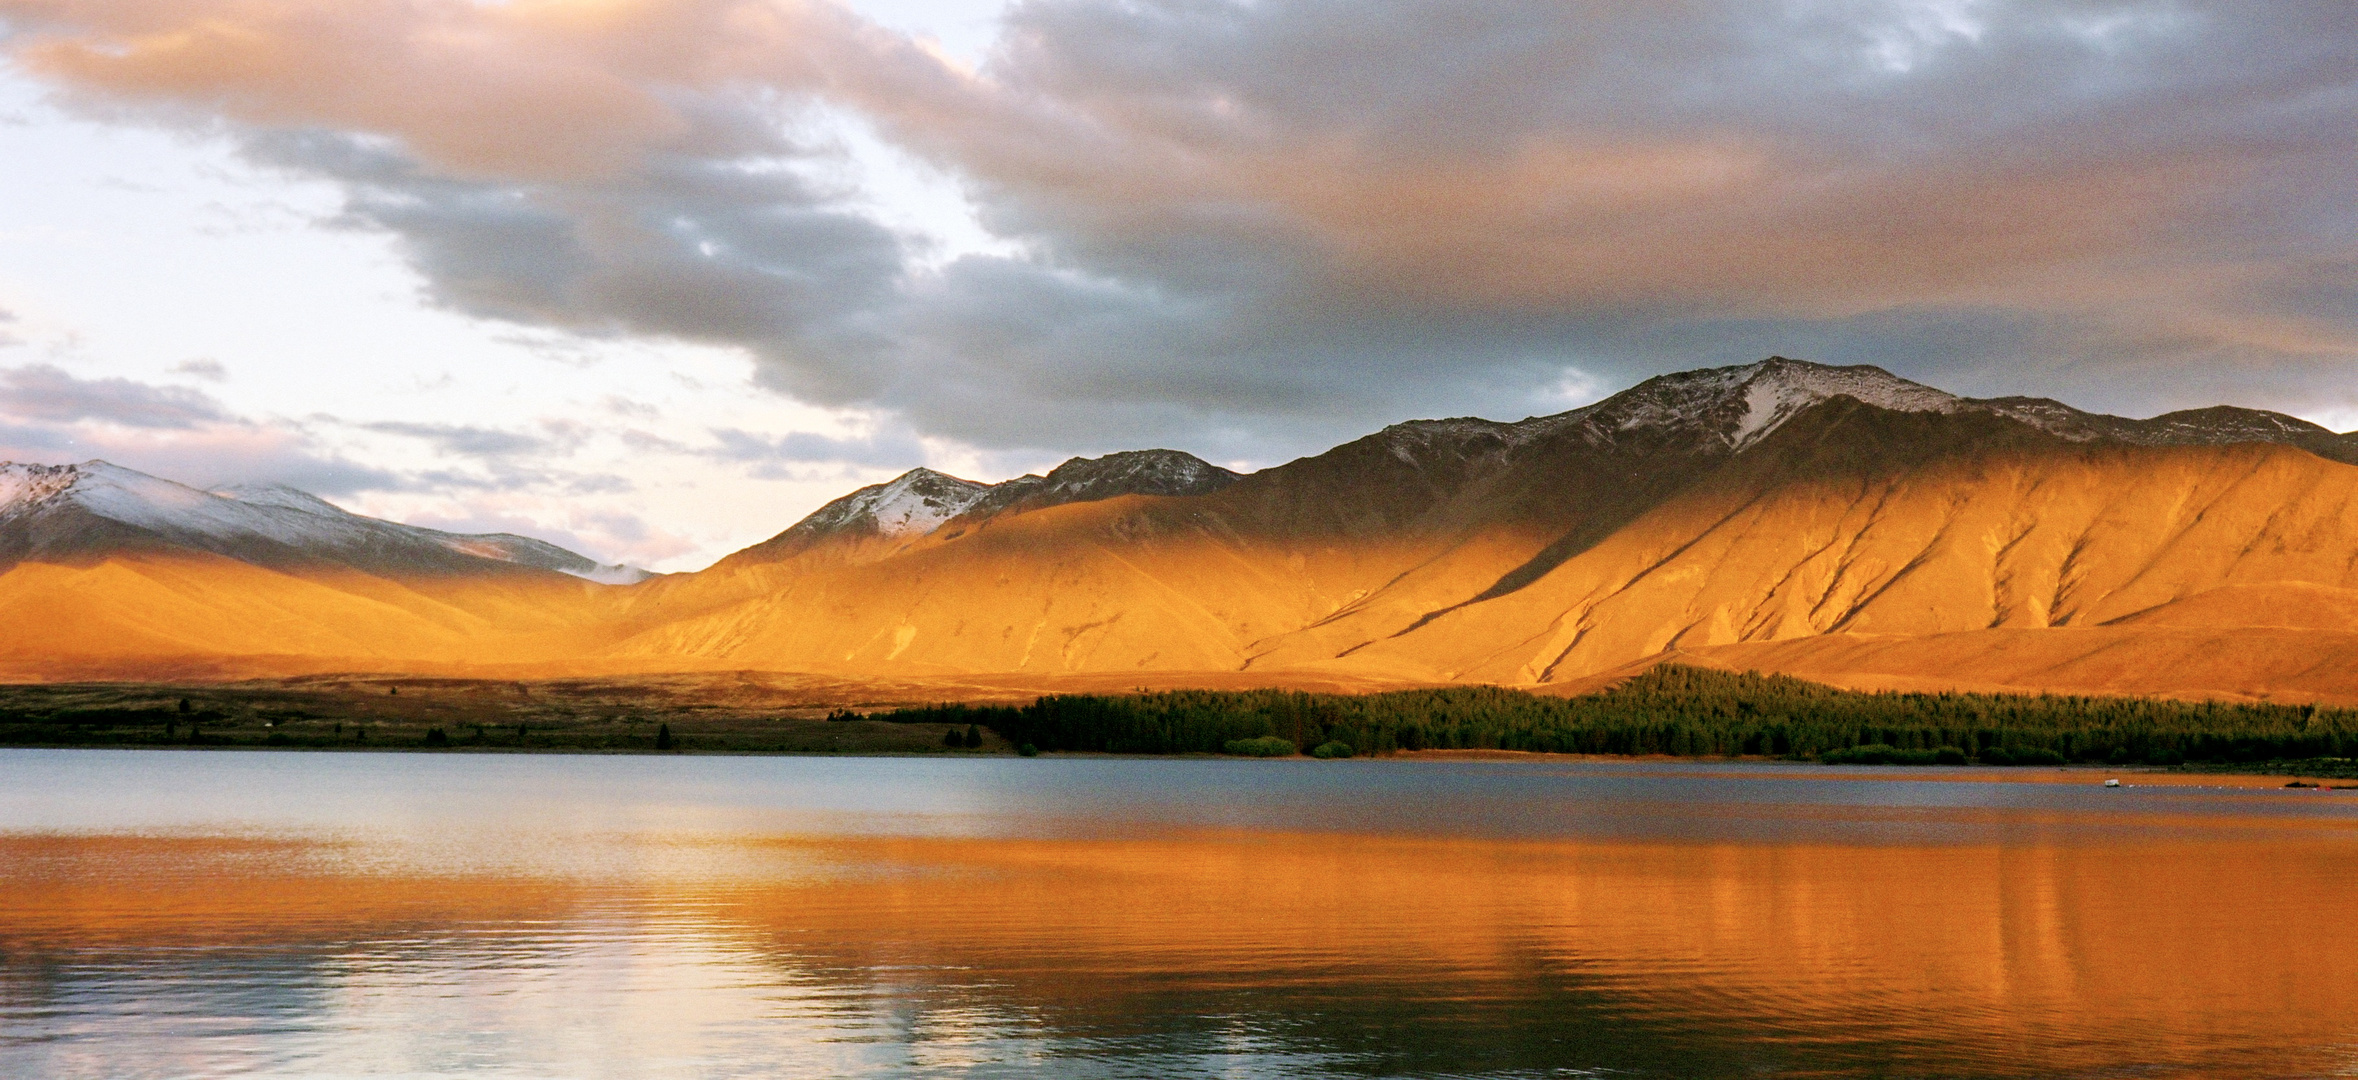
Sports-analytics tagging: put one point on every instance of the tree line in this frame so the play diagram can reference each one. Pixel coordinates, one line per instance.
(1681, 711)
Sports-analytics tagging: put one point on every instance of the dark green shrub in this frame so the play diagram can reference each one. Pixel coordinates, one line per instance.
(973, 737)
(1264, 746)
(1027, 750)
(1870, 754)
(952, 739)
(1336, 749)
(436, 737)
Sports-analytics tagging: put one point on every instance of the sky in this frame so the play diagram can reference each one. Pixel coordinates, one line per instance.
(654, 278)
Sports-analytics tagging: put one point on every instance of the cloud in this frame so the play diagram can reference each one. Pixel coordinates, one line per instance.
(593, 86)
(1249, 229)
(462, 439)
(46, 392)
(883, 449)
(50, 415)
(202, 367)
(600, 535)
(1632, 187)
(203, 457)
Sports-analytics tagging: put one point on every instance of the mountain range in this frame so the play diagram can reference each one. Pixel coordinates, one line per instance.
(1841, 523)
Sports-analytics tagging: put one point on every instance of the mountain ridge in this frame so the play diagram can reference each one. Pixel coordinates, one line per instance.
(57, 512)
(1780, 513)
(920, 501)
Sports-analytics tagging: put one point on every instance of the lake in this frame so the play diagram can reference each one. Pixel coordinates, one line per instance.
(180, 914)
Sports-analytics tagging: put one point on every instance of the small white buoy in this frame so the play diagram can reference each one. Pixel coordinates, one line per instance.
(2112, 783)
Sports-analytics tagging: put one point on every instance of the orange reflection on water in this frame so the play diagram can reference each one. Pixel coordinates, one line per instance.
(2061, 954)
(2186, 956)
(82, 892)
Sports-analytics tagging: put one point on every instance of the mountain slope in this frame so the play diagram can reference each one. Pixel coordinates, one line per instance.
(1769, 502)
(1869, 524)
(103, 565)
(66, 513)
(882, 518)
(1839, 522)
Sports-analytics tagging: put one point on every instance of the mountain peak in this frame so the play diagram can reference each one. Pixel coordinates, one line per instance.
(97, 507)
(25, 485)
(921, 501)
(1741, 405)
(911, 504)
(1129, 472)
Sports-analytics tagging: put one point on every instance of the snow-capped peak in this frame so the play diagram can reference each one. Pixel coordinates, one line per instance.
(1777, 388)
(1130, 472)
(137, 499)
(911, 504)
(1728, 408)
(265, 522)
(1742, 405)
(921, 500)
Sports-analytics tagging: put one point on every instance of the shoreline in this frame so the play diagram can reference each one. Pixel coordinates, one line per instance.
(2138, 776)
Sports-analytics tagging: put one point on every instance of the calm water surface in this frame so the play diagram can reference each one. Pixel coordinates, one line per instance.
(205, 914)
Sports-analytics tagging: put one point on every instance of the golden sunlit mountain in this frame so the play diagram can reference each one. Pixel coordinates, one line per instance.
(1838, 523)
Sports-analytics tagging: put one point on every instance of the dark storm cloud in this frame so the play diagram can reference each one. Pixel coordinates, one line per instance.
(1250, 228)
(2078, 198)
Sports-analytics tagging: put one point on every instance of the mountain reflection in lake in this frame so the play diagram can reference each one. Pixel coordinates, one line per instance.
(197, 914)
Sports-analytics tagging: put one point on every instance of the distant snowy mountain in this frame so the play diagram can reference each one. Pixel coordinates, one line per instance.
(1133, 472)
(919, 501)
(1651, 435)
(911, 504)
(72, 512)
(1756, 508)
(1732, 408)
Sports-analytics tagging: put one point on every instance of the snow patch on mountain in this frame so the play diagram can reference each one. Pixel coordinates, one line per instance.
(1742, 405)
(1775, 390)
(1734, 408)
(161, 506)
(911, 504)
(920, 501)
(1131, 472)
(223, 519)
(280, 495)
(609, 573)
(2215, 426)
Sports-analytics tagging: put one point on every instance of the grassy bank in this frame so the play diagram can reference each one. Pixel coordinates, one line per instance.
(1671, 710)
(617, 716)
(1686, 712)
